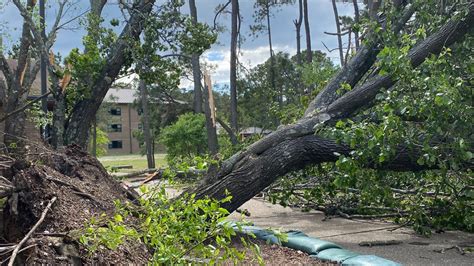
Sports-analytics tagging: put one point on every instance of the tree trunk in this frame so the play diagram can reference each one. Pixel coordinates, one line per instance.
(197, 104)
(94, 138)
(298, 23)
(59, 119)
(84, 111)
(356, 21)
(295, 146)
(233, 67)
(146, 126)
(272, 58)
(14, 136)
(210, 116)
(338, 31)
(309, 52)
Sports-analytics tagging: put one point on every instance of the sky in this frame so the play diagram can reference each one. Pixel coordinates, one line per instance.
(253, 51)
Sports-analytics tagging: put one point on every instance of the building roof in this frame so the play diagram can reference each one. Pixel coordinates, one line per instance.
(121, 95)
(35, 89)
(254, 130)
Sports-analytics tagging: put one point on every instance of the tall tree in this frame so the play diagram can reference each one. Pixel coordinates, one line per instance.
(150, 154)
(298, 23)
(356, 22)
(197, 104)
(20, 74)
(338, 33)
(210, 112)
(233, 67)
(84, 110)
(309, 53)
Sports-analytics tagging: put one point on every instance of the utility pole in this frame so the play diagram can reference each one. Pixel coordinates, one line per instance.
(44, 89)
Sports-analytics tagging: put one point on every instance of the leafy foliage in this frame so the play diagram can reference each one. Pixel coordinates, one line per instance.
(428, 114)
(186, 137)
(179, 231)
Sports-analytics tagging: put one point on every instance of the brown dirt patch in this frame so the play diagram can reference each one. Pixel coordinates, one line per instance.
(83, 190)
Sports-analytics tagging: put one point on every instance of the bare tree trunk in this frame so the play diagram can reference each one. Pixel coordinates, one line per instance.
(233, 68)
(272, 58)
(210, 116)
(356, 21)
(309, 52)
(295, 146)
(197, 104)
(146, 126)
(59, 116)
(338, 31)
(298, 23)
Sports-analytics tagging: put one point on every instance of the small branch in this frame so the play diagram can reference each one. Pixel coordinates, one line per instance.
(336, 34)
(24, 107)
(23, 241)
(76, 191)
(329, 50)
(218, 13)
(380, 243)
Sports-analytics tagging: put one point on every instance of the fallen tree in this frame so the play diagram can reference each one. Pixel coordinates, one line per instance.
(295, 146)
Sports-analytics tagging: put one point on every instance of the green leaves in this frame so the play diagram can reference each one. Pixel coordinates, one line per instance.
(174, 228)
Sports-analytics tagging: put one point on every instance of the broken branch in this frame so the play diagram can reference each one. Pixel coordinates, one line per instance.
(23, 241)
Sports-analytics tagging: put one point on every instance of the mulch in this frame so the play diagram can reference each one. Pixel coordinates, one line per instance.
(273, 254)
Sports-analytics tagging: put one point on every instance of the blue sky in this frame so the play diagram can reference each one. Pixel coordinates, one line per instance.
(253, 51)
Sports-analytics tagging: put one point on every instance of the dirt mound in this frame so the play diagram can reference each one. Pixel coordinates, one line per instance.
(83, 189)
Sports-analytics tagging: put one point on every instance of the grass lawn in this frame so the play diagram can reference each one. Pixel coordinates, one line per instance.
(136, 160)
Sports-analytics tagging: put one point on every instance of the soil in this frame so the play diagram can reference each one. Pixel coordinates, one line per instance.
(83, 189)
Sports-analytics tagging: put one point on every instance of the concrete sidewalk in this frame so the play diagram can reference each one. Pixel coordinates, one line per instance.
(414, 249)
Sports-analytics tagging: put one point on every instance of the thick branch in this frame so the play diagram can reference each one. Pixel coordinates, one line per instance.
(356, 68)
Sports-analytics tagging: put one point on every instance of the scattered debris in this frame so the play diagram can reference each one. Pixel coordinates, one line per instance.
(380, 243)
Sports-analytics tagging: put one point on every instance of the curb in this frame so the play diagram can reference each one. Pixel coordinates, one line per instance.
(317, 248)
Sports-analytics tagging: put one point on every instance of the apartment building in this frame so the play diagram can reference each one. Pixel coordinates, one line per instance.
(123, 121)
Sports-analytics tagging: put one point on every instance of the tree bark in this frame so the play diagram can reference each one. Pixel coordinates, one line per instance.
(212, 143)
(233, 67)
(197, 104)
(309, 52)
(294, 147)
(298, 23)
(150, 157)
(338, 31)
(356, 21)
(84, 111)
(272, 58)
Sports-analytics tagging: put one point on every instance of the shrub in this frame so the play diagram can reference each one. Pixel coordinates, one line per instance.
(186, 137)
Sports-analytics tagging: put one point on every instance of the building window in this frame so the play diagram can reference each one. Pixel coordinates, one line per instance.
(140, 111)
(115, 144)
(115, 111)
(115, 128)
(140, 126)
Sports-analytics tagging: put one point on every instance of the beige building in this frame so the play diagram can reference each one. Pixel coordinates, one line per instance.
(123, 121)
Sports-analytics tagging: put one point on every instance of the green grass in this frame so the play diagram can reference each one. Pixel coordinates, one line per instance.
(136, 160)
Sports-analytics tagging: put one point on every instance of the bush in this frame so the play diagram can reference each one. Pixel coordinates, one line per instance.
(186, 137)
